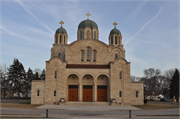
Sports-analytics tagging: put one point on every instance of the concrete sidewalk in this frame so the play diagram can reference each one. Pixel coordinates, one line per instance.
(87, 108)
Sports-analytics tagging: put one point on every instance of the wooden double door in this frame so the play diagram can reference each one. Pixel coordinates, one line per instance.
(73, 93)
(87, 93)
(102, 93)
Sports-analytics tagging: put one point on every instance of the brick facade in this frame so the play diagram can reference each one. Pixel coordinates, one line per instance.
(70, 70)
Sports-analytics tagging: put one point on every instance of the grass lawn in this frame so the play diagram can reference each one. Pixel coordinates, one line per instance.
(19, 105)
(149, 106)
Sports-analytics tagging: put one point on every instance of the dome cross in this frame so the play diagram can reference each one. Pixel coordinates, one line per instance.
(61, 23)
(115, 24)
(88, 15)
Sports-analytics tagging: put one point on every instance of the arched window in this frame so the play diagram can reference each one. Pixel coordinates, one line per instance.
(119, 41)
(60, 55)
(81, 35)
(82, 55)
(55, 74)
(94, 56)
(57, 39)
(94, 34)
(64, 40)
(88, 54)
(115, 39)
(60, 38)
(116, 56)
(111, 40)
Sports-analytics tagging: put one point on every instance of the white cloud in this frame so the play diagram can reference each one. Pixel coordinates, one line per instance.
(159, 12)
(135, 12)
(43, 24)
(30, 40)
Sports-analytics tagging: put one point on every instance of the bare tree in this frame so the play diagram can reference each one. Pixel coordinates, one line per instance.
(150, 80)
(135, 79)
(39, 71)
(4, 81)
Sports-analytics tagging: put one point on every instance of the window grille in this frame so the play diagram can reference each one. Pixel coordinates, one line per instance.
(120, 75)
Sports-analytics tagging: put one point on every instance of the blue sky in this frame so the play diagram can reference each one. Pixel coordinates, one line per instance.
(149, 29)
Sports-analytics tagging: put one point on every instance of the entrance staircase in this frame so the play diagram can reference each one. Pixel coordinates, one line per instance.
(88, 103)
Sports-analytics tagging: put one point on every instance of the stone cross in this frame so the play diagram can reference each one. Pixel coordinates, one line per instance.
(114, 24)
(61, 23)
(88, 15)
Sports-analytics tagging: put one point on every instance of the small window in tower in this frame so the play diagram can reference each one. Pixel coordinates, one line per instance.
(116, 56)
(119, 41)
(120, 75)
(88, 33)
(115, 39)
(64, 40)
(54, 92)
(81, 35)
(88, 54)
(57, 39)
(94, 34)
(136, 93)
(111, 40)
(82, 55)
(120, 94)
(37, 92)
(55, 75)
(94, 56)
(60, 38)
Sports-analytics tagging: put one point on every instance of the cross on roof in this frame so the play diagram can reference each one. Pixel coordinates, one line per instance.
(61, 23)
(88, 15)
(114, 24)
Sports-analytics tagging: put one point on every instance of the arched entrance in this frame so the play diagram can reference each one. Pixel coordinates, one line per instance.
(102, 88)
(87, 82)
(72, 82)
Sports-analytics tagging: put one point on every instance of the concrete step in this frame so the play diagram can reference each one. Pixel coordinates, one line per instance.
(87, 103)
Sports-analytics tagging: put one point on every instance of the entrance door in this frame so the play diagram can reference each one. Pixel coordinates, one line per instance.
(87, 93)
(102, 93)
(73, 93)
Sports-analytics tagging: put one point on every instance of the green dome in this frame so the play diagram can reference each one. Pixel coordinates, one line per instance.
(61, 30)
(88, 23)
(115, 31)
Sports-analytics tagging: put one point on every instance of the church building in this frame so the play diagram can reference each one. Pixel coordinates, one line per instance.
(87, 70)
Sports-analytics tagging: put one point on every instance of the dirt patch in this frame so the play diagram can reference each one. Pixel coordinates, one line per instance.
(18, 105)
(149, 106)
